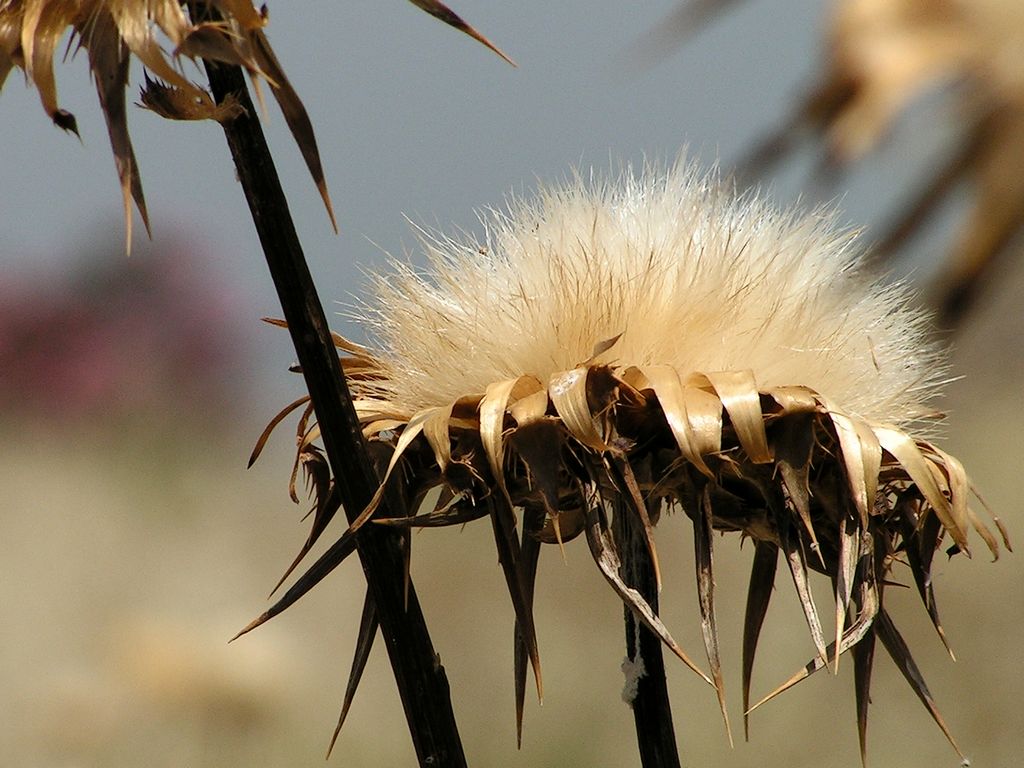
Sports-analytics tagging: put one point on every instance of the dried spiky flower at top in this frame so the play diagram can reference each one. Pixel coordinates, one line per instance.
(112, 31)
(622, 348)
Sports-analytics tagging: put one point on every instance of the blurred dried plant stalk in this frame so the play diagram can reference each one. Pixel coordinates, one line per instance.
(879, 57)
(650, 346)
(112, 31)
(885, 53)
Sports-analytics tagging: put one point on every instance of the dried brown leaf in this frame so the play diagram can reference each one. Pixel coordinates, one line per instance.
(529, 554)
(327, 562)
(845, 573)
(862, 458)
(921, 541)
(113, 32)
(328, 502)
(42, 26)
(868, 601)
(603, 551)
(704, 414)
(109, 60)
(261, 441)
(900, 653)
(294, 114)
(174, 103)
(593, 440)
(504, 525)
(458, 512)
(214, 42)
(693, 441)
(863, 662)
(441, 11)
(913, 461)
(759, 595)
(793, 444)
(703, 547)
(364, 644)
(622, 472)
(493, 407)
(798, 569)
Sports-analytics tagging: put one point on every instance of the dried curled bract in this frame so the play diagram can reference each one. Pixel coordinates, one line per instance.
(618, 350)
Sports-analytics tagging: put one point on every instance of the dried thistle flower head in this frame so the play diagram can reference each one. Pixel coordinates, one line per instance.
(112, 31)
(674, 269)
(613, 350)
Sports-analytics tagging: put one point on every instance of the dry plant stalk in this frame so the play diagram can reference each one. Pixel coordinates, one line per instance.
(654, 345)
(227, 36)
(884, 54)
(879, 57)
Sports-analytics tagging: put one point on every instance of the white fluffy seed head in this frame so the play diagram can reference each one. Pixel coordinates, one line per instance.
(687, 273)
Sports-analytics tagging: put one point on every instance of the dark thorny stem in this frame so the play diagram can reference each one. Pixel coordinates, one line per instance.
(652, 711)
(421, 679)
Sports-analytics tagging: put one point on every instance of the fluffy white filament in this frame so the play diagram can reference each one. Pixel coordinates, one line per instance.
(687, 273)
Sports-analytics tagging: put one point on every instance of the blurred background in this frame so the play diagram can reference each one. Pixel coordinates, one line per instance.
(133, 542)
